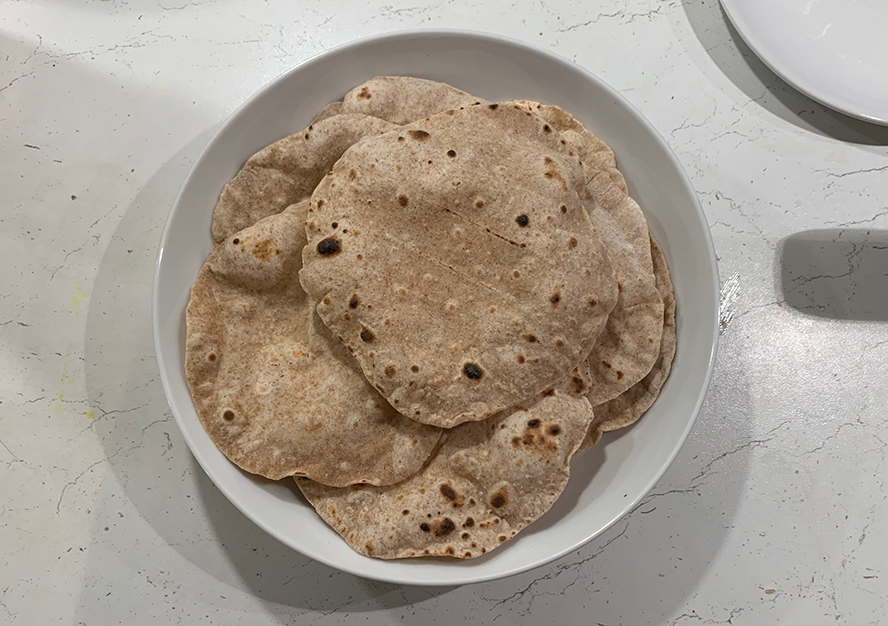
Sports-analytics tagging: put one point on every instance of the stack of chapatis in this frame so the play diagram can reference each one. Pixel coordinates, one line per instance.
(421, 307)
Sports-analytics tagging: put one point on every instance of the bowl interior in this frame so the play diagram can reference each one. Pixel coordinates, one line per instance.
(607, 480)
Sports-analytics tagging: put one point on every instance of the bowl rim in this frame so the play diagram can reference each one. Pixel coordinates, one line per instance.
(470, 35)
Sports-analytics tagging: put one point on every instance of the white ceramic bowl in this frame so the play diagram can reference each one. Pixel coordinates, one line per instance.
(606, 481)
(835, 51)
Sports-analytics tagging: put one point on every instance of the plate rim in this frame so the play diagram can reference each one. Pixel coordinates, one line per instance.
(784, 74)
(475, 35)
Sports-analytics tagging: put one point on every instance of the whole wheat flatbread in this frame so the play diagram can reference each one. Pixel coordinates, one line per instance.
(404, 99)
(486, 482)
(287, 171)
(280, 395)
(456, 261)
(276, 392)
(627, 408)
(630, 343)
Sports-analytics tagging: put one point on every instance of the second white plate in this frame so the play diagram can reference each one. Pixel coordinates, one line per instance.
(835, 51)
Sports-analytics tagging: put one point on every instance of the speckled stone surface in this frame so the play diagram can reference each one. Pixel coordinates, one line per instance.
(776, 510)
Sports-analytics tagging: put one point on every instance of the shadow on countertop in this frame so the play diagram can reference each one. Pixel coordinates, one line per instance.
(742, 67)
(836, 273)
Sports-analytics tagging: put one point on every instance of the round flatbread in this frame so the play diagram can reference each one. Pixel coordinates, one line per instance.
(627, 408)
(275, 391)
(287, 171)
(456, 261)
(630, 343)
(404, 99)
(486, 482)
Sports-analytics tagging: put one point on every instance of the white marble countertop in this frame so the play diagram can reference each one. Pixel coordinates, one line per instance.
(775, 511)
